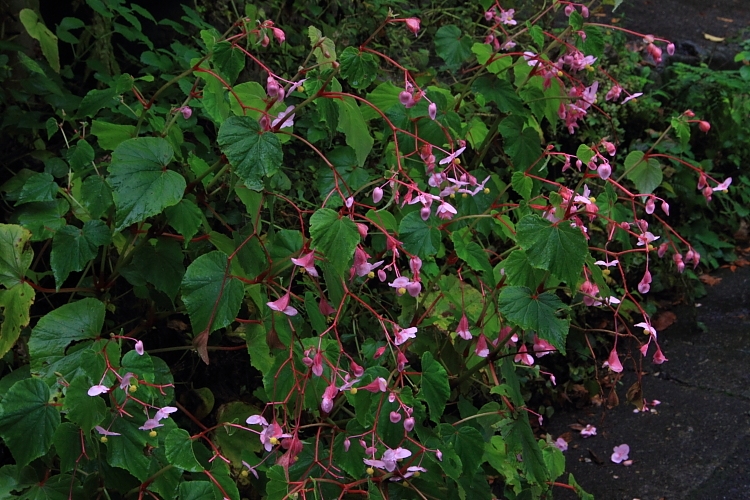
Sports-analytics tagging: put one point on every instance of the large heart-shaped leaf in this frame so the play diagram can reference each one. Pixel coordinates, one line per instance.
(141, 184)
(253, 153)
(336, 237)
(537, 312)
(27, 420)
(73, 248)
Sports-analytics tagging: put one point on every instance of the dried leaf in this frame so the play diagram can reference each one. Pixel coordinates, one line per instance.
(725, 19)
(612, 400)
(709, 280)
(635, 395)
(595, 457)
(712, 38)
(664, 320)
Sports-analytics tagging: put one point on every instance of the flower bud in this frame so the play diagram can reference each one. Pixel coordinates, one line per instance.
(347, 443)
(704, 126)
(186, 112)
(409, 424)
(650, 206)
(425, 213)
(377, 194)
(665, 207)
(569, 10)
(432, 110)
(395, 417)
(604, 171)
(670, 49)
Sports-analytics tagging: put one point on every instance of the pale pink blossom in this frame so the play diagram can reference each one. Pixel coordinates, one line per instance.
(377, 385)
(125, 382)
(647, 328)
(588, 431)
(481, 349)
(452, 156)
(542, 347)
(96, 390)
(404, 334)
(522, 356)
(620, 453)
(613, 362)
(150, 424)
(395, 417)
(377, 194)
(327, 403)
(432, 110)
(104, 432)
(561, 444)
(186, 112)
(409, 424)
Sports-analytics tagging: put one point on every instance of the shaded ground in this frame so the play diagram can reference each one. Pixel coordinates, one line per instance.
(686, 22)
(696, 445)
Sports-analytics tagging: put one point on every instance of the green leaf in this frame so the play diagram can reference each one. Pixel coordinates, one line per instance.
(466, 441)
(95, 100)
(68, 323)
(231, 440)
(179, 451)
(584, 153)
(354, 128)
(27, 420)
(324, 49)
(15, 256)
(555, 247)
(452, 47)
(253, 153)
(484, 52)
(277, 487)
(418, 236)
(384, 97)
(185, 218)
(593, 43)
(210, 293)
(141, 183)
(521, 143)
(38, 187)
(229, 60)
(43, 218)
(126, 450)
(15, 304)
(470, 252)
(575, 21)
(81, 156)
(533, 461)
(73, 248)
(63, 29)
(522, 184)
(215, 98)
(96, 196)
(67, 441)
(571, 480)
(537, 312)
(646, 174)
(196, 490)
(435, 390)
(520, 272)
(38, 31)
(111, 135)
(82, 409)
(358, 68)
(158, 262)
(335, 236)
(501, 92)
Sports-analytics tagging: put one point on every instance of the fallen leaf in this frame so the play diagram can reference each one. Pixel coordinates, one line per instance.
(614, 20)
(709, 280)
(725, 19)
(712, 38)
(595, 457)
(577, 427)
(635, 395)
(176, 324)
(663, 320)
(613, 400)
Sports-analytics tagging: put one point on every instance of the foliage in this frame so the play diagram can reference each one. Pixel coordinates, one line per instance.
(392, 256)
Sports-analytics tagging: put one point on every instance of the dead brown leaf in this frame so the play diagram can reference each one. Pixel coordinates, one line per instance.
(663, 320)
(595, 457)
(176, 324)
(612, 400)
(635, 395)
(725, 19)
(709, 280)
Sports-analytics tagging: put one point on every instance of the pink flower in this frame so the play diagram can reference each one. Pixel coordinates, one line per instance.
(620, 453)
(282, 305)
(104, 432)
(357, 370)
(659, 357)
(95, 390)
(163, 413)
(506, 17)
(613, 362)
(650, 205)
(150, 424)
(125, 382)
(328, 395)
(542, 347)
(523, 356)
(285, 119)
(645, 285)
(409, 424)
(273, 89)
(395, 417)
(186, 112)
(307, 262)
(561, 444)
(452, 156)
(631, 97)
(325, 308)
(446, 211)
(402, 335)
(401, 361)
(279, 35)
(377, 385)
(613, 94)
(412, 24)
(647, 328)
(432, 110)
(463, 328)
(481, 349)
(588, 431)
(361, 266)
(390, 457)
(271, 436)
(724, 186)
(670, 49)
(377, 194)
(604, 170)
(317, 365)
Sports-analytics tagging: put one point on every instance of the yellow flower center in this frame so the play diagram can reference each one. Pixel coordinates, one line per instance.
(402, 290)
(464, 195)
(274, 441)
(370, 471)
(592, 199)
(651, 248)
(152, 434)
(103, 439)
(371, 274)
(301, 88)
(606, 272)
(133, 388)
(486, 190)
(244, 473)
(353, 391)
(416, 473)
(453, 195)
